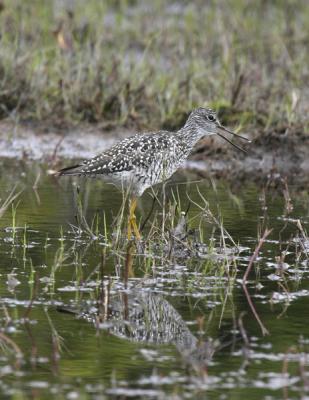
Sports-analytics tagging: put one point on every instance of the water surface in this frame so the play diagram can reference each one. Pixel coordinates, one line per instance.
(77, 320)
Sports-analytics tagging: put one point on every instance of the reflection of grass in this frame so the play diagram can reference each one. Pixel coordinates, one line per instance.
(127, 63)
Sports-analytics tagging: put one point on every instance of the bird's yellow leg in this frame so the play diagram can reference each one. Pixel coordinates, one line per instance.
(129, 229)
(135, 229)
(132, 221)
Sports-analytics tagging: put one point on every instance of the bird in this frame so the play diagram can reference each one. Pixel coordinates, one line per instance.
(139, 162)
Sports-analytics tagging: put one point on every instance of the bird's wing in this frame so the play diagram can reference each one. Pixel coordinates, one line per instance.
(128, 154)
(142, 151)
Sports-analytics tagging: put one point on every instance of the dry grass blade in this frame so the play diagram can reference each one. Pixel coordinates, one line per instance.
(304, 236)
(207, 212)
(9, 200)
(244, 281)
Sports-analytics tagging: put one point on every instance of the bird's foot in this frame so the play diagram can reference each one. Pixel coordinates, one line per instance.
(132, 227)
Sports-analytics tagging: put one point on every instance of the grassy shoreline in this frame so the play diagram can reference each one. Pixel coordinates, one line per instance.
(147, 64)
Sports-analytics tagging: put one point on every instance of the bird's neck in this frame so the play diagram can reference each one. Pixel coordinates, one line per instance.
(191, 134)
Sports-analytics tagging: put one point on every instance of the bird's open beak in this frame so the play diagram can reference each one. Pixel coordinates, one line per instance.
(221, 128)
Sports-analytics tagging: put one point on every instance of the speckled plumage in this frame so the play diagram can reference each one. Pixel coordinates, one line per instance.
(141, 161)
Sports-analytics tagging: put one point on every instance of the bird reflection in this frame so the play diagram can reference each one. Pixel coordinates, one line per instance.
(143, 316)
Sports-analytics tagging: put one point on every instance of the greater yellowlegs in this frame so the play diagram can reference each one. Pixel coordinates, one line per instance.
(141, 161)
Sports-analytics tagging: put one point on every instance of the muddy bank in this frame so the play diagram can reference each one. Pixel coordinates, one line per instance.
(282, 153)
(279, 153)
(38, 142)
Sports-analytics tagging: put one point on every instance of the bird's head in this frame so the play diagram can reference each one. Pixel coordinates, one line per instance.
(204, 122)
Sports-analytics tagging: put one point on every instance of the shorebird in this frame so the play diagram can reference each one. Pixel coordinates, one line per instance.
(143, 160)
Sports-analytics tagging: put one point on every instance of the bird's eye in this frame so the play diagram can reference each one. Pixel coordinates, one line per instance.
(211, 117)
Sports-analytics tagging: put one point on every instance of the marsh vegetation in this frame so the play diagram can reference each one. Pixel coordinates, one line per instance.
(148, 64)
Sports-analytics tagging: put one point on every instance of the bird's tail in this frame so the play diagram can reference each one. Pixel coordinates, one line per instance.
(74, 170)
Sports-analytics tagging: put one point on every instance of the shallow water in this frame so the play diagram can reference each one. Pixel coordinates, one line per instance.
(82, 316)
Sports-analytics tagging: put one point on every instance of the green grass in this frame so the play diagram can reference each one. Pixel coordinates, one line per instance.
(148, 63)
